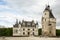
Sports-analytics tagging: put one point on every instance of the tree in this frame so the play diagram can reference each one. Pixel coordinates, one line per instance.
(39, 31)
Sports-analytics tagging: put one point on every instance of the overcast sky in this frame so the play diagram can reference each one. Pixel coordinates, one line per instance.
(10, 10)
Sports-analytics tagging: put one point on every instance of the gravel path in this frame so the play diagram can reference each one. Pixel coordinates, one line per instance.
(28, 38)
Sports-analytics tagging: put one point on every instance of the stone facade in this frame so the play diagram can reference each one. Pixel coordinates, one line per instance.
(48, 23)
(30, 28)
(25, 28)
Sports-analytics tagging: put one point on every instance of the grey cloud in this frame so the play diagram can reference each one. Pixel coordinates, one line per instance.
(58, 24)
(31, 9)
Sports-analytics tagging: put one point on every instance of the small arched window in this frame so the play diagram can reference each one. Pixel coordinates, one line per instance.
(33, 33)
(23, 33)
(33, 29)
(23, 29)
(45, 13)
(28, 29)
(49, 24)
(45, 19)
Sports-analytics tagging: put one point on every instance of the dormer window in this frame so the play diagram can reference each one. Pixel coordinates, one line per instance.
(23, 23)
(28, 23)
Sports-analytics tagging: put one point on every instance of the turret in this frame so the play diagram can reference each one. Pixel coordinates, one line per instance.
(16, 24)
(48, 23)
(48, 12)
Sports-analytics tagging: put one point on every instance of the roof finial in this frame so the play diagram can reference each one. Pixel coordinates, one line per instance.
(48, 5)
(48, 2)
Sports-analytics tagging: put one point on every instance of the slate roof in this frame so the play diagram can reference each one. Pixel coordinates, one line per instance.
(50, 11)
(25, 23)
(30, 24)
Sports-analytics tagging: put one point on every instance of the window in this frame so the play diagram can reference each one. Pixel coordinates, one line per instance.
(28, 23)
(33, 29)
(23, 29)
(50, 32)
(33, 33)
(28, 33)
(45, 19)
(23, 23)
(49, 24)
(15, 31)
(23, 33)
(33, 24)
(45, 13)
(28, 29)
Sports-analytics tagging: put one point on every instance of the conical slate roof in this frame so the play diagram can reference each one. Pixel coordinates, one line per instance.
(50, 12)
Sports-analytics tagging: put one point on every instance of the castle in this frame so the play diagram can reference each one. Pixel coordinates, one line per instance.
(48, 23)
(30, 28)
(25, 28)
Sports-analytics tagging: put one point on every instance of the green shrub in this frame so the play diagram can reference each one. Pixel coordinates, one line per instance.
(6, 31)
(9, 32)
(39, 31)
(57, 32)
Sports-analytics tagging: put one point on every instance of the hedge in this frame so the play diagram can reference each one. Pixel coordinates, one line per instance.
(9, 32)
(6, 32)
